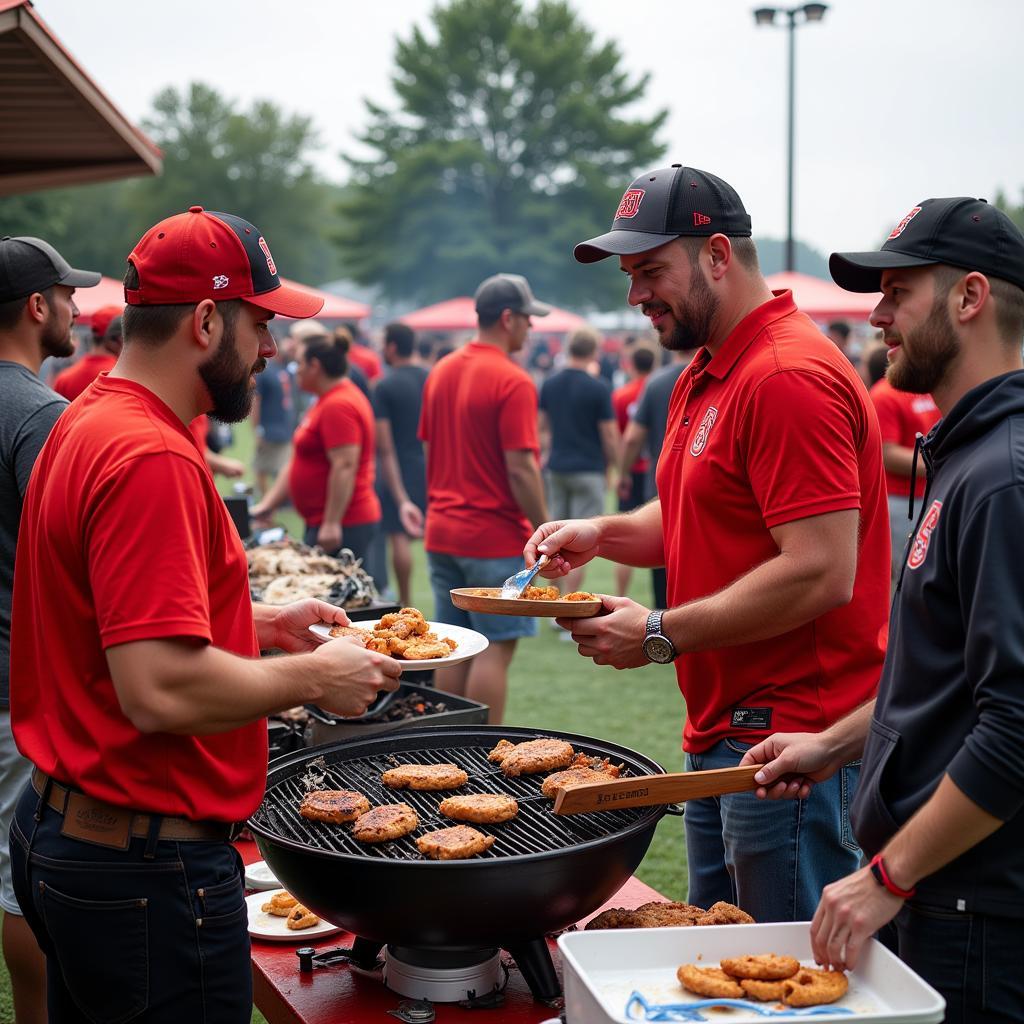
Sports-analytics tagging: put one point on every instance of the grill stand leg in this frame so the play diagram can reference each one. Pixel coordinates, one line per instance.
(534, 961)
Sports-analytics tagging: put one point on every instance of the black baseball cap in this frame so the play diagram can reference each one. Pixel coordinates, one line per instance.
(960, 232)
(508, 291)
(665, 204)
(30, 265)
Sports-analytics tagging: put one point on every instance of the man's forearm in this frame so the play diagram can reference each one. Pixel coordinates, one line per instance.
(849, 734)
(898, 459)
(633, 538)
(632, 446)
(528, 490)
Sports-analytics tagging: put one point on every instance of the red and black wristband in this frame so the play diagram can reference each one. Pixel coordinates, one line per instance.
(877, 867)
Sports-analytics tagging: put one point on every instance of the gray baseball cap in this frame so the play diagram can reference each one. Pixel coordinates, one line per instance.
(508, 291)
(30, 265)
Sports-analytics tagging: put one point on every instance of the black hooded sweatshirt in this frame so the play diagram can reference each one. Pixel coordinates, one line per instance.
(951, 697)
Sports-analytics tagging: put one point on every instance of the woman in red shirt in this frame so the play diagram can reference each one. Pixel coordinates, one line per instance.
(331, 472)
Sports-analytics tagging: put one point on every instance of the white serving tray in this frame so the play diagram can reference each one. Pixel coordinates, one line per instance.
(603, 968)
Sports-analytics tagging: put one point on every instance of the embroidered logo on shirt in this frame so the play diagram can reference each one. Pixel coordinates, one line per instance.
(630, 203)
(902, 226)
(751, 718)
(700, 439)
(919, 548)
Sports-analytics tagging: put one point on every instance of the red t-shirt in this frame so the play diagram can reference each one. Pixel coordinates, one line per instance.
(624, 402)
(75, 379)
(477, 405)
(366, 359)
(901, 416)
(342, 416)
(776, 427)
(125, 538)
(199, 428)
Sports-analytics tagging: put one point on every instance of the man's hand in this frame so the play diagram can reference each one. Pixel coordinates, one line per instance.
(569, 543)
(290, 625)
(411, 517)
(793, 762)
(329, 537)
(850, 912)
(356, 676)
(614, 638)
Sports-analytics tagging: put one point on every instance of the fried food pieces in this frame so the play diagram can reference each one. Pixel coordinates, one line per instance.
(281, 904)
(580, 595)
(582, 771)
(336, 806)
(725, 913)
(540, 594)
(766, 967)
(301, 917)
(708, 981)
(763, 991)
(403, 634)
(427, 777)
(455, 843)
(352, 631)
(812, 987)
(481, 808)
(384, 823)
(666, 915)
(531, 757)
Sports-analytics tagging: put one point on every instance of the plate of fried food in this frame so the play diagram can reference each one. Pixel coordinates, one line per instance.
(280, 917)
(542, 601)
(408, 636)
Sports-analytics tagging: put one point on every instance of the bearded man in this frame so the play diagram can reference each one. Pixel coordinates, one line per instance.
(772, 524)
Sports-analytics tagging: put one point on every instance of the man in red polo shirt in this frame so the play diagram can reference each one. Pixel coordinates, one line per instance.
(102, 354)
(771, 521)
(484, 488)
(137, 690)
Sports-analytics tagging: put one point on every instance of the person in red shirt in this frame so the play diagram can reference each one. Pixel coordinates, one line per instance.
(484, 488)
(771, 521)
(330, 475)
(137, 690)
(361, 354)
(901, 417)
(632, 477)
(102, 355)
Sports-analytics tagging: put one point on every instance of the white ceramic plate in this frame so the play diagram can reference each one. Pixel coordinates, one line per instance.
(274, 929)
(471, 643)
(259, 876)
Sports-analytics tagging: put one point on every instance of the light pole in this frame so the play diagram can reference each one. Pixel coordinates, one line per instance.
(793, 16)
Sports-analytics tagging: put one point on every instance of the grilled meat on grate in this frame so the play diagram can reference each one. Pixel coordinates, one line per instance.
(384, 823)
(532, 757)
(336, 806)
(427, 777)
(482, 808)
(455, 843)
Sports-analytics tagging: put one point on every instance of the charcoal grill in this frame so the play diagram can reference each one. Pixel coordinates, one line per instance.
(541, 875)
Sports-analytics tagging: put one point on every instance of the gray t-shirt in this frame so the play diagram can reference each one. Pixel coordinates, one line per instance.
(652, 413)
(28, 412)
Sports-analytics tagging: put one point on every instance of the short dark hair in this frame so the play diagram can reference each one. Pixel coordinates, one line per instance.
(642, 359)
(743, 248)
(1009, 299)
(10, 311)
(488, 319)
(840, 327)
(425, 347)
(402, 337)
(583, 343)
(330, 353)
(877, 364)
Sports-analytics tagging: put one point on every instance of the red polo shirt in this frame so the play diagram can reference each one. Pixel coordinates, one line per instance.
(624, 402)
(125, 538)
(477, 405)
(342, 416)
(901, 416)
(776, 427)
(75, 379)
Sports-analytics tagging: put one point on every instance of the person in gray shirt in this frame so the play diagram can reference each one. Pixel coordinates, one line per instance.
(37, 312)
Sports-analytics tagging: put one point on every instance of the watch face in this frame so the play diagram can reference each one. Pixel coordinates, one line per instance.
(659, 650)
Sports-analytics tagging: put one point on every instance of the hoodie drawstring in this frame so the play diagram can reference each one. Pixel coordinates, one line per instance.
(918, 438)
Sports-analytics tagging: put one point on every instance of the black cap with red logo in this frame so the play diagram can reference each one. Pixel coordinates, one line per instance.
(665, 204)
(207, 255)
(959, 232)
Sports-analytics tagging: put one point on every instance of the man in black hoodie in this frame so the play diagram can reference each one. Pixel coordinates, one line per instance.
(940, 805)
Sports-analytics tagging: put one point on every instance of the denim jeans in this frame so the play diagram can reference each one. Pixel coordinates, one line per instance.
(975, 960)
(128, 938)
(770, 857)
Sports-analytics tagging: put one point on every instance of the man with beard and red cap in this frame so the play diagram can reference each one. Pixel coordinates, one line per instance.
(771, 522)
(137, 690)
(940, 808)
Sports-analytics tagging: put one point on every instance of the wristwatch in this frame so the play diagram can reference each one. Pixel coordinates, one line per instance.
(657, 647)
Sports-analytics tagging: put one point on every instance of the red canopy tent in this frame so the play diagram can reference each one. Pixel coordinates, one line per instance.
(460, 315)
(110, 292)
(824, 300)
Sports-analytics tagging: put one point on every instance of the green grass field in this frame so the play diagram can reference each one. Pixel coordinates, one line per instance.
(551, 686)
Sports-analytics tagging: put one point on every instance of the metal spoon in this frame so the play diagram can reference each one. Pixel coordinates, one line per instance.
(514, 586)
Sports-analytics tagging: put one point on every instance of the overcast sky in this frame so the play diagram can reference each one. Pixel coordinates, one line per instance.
(897, 100)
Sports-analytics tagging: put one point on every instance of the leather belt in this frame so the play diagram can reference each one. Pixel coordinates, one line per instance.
(106, 825)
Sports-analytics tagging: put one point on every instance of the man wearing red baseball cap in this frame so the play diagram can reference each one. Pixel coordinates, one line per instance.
(106, 347)
(137, 690)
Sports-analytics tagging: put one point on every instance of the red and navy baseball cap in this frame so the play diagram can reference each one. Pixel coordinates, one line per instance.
(959, 232)
(665, 204)
(203, 254)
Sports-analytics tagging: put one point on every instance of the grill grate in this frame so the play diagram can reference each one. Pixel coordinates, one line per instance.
(534, 830)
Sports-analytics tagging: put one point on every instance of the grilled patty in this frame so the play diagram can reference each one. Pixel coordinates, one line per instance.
(571, 777)
(455, 843)
(386, 822)
(334, 805)
(483, 808)
(430, 777)
(532, 757)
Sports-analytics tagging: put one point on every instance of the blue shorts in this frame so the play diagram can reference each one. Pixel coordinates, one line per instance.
(450, 571)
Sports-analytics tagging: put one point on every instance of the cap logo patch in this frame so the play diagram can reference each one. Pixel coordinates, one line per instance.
(700, 439)
(266, 252)
(902, 226)
(630, 204)
(919, 548)
(219, 281)
(700, 219)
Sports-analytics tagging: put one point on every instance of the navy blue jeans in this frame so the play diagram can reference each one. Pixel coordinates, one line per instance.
(770, 857)
(975, 960)
(128, 938)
